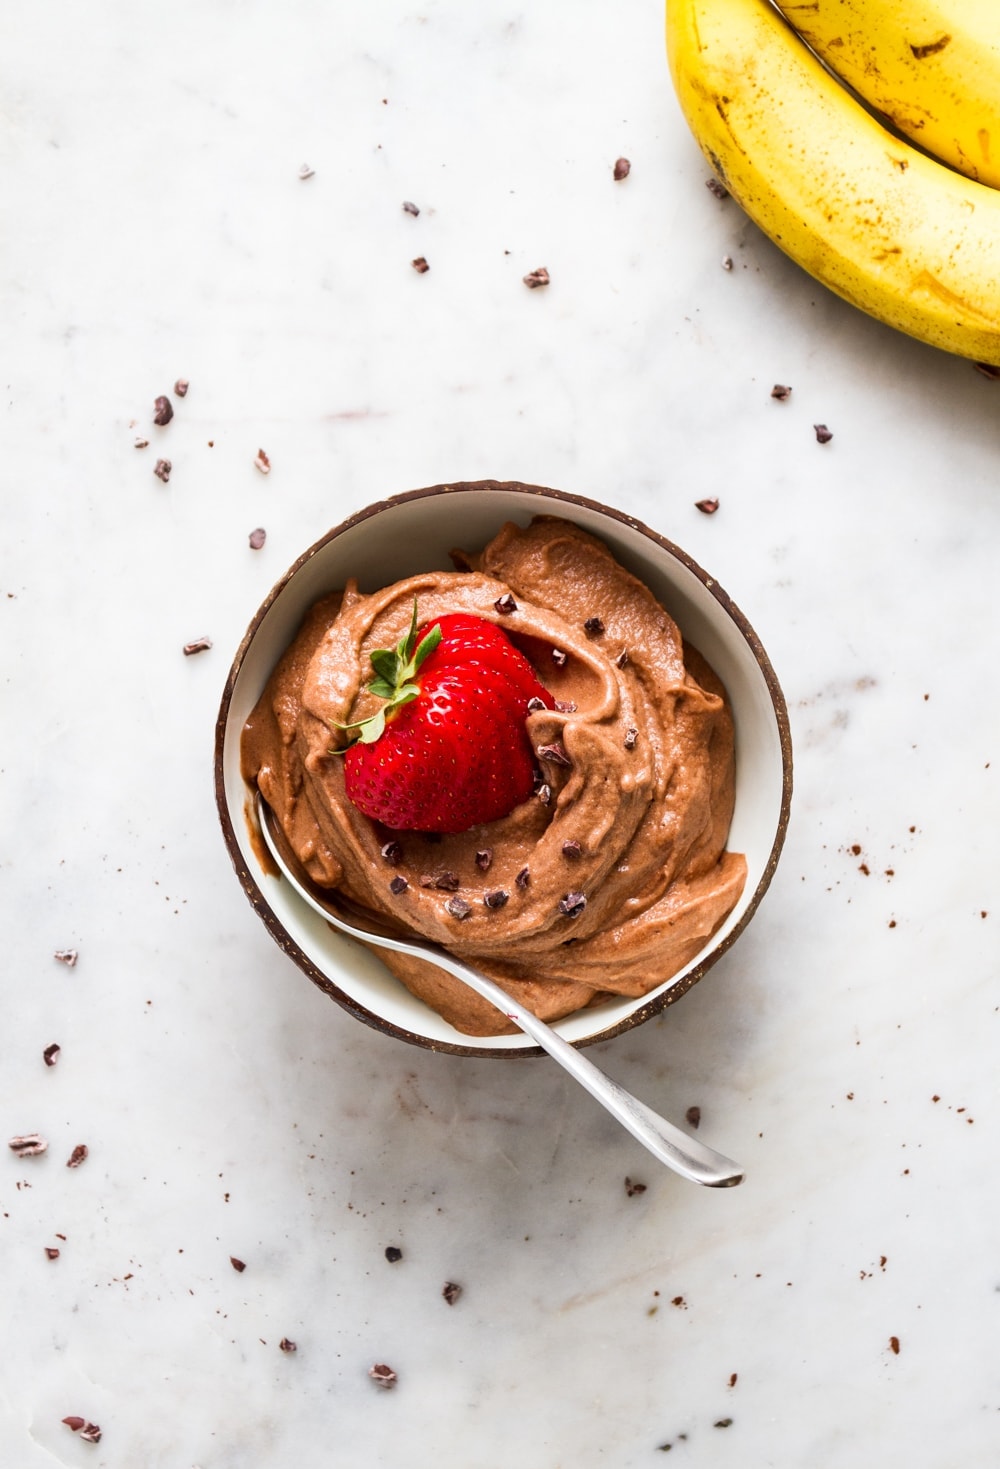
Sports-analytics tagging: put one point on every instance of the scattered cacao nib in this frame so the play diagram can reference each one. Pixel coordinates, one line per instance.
(392, 853)
(199, 645)
(181, 387)
(90, 1433)
(162, 469)
(523, 878)
(733, 1376)
(987, 369)
(238, 1265)
(262, 462)
(594, 627)
(565, 706)
(451, 1291)
(707, 507)
(484, 859)
(894, 1345)
(393, 1253)
(52, 1252)
(622, 660)
(631, 736)
(398, 885)
(559, 658)
(544, 793)
(458, 907)
(305, 172)
(142, 443)
(66, 956)
(163, 411)
(536, 278)
(383, 1375)
(572, 850)
(573, 904)
(51, 1054)
(257, 538)
(79, 1155)
(536, 705)
(554, 753)
(410, 208)
(693, 1116)
(75, 1422)
(496, 898)
(727, 262)
(287, 1345)
(621, 170)
(420, 265)
(714, 187)
(632, 1187)
(28, 1145)
(447, 882)
(781, 391)
(823, 434)
(505, 605)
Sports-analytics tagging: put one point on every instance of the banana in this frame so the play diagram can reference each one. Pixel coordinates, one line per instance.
(899, 235)
(931, 67)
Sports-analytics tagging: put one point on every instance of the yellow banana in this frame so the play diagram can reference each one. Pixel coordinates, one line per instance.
(932, 67)
(897, 234)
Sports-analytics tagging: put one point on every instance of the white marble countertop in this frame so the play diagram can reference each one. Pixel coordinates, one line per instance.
(838, 1309)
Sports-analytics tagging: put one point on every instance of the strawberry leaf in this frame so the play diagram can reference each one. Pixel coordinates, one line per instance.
(395, 671)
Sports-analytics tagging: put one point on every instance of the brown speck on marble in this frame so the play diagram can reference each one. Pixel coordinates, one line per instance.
(287, 1346)
(451, 1291)
(714, 187)
(163, 411)
(894, 1345)
(238, 1265)
(707, 507)
(633, 1187)
(393, 1254)
(79, 1155)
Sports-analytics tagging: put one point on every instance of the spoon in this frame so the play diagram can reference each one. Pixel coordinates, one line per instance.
(684, 1154)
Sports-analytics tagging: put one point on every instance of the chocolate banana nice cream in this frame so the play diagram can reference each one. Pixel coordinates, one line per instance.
(614, 873)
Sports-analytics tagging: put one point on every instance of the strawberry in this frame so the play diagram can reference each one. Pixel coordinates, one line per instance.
(449, 748)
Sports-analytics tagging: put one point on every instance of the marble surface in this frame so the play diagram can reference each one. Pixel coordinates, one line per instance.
(840, 1307)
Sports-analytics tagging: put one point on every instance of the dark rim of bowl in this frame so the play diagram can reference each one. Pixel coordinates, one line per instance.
(277, 930)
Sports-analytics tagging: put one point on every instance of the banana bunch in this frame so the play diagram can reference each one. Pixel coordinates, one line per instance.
(910, 238)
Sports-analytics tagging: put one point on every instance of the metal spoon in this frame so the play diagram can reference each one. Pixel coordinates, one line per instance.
(684, 1154)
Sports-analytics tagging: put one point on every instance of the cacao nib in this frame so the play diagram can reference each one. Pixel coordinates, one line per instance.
(505, 605)
(536, 705)
(496, 898)
(398, 885)
(458, 907)
(707, 507)
(565, 706)
(451, 1291)
(622, 169)
(263, 462)
(781, 391)
(559, 658)
(238, 1265)
(383, 1375)
(622, 660)
(823, 434)
(410, 208)
(572, 850)
(79, 1155)
(257, 538)
(631, 736)
(523, 878)
(447, 882)
(286, 1345)
(554, 753)
(594, 627)
(162, 469)
(199, 645)
(573, 904)
(420, 265)
(693, 1116)
(393, 1253)
(181, 387)
(484, 859)
(52, 1252)
(392, 853)
(66, 956)
(536, 278)
(544, 793)
(28, 1145)
(51, 1054)
(163, 411)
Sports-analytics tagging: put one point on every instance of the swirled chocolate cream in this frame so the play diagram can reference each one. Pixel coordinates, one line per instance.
(521, 760)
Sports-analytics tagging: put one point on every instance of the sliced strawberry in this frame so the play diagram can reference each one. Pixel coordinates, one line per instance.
(449, 749)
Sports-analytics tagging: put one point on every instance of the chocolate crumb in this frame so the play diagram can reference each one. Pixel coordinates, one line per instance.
(559, 658)
(262, 462)
(707, 507)
(632, 1187)
(66, 956)
(505, 605)
(631, 736)
(523, 878)
(554, 753)
(573, 904)
(383, 1375)
(305, 172)
(622, 660)
(163, 411)
(75, 1422)
(732, 1379)
(781, 391)
(238, 1265)
(199, 645)
(288, 1346)
(894, 1345)
(410, 208)
(458, 907)
(392, 853)
(823, 434)
(393, 1253)
(257, 538)
(51, 1054)
(544, 793)
(536, 278)
(496, 898)
(594, 627)
(572, 850)
(28, 1145)
(693, 1116)
(162, 469)
(484, 859)
(536, 705)
(52, 1252)
(451, 1291)
(447, 882)
(621, 170)
(142, 443)
(714, 187)
(398, 885)
(79, 1155)
(420, 265)
(181, 387)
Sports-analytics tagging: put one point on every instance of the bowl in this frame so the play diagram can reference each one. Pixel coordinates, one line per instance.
(414, 532)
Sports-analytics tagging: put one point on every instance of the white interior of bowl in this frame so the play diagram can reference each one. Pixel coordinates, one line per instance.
(416, 534)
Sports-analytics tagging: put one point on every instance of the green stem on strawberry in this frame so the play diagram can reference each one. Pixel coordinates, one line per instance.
(396, 668)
